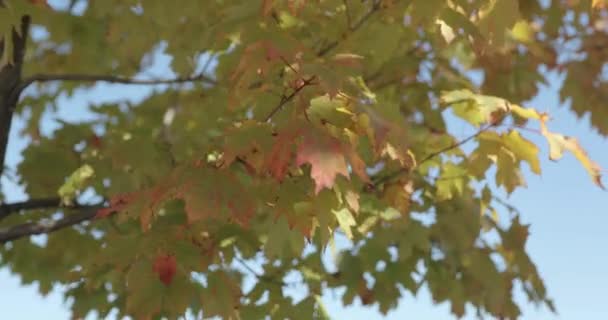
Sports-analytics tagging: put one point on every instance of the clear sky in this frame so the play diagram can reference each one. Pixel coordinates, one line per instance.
(567, 213)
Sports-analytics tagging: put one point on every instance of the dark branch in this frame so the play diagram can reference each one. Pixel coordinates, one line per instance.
(111, 79)
(10, 78)
(84, 213)
(6, 209)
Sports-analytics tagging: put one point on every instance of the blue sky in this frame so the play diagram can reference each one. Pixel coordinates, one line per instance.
(567, 213)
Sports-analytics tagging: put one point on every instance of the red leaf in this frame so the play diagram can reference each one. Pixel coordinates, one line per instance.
(165, 266)
(95, 141)
(281, 153)
(41, 3)
(325, 155)
(117, 203)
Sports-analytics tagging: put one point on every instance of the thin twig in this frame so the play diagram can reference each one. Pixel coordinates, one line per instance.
(288, 64)
(212, 56)
(456, 144)
(260, 277)
(247, 266)
(432, 155)
(286, 99)
(355, 27)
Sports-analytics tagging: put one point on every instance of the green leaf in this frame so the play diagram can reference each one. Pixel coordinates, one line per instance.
(474, 108)
(451, 182)
(497, 17)
(326, 110)
(523, 149)
(75, 182)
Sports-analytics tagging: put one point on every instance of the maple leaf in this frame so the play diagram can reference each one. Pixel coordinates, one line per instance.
(216, 194)
(559, 143)
(352, 199)
(165, 266)
(476, 108)
(117, 203)
(249, 142)
(326, 157)
(75, 182)
(281, 153)
(155, 198)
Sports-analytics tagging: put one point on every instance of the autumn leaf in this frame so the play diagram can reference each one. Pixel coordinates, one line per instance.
(213, 194)
(325, 155)
(559, 143)
(118, 203)
(281, 154)
(476, 108)
(164, 267)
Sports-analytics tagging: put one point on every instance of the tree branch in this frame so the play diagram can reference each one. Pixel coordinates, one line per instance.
(10, 78)
(111, 79)
(6, 209)
(45, 226)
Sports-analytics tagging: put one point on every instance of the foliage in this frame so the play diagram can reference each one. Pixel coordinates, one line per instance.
(288, 122)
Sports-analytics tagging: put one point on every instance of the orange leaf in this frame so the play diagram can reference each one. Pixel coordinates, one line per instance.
(325, 155)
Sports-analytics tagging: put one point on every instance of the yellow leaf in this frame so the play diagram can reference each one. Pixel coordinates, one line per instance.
(559, 143)
(526, 113)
